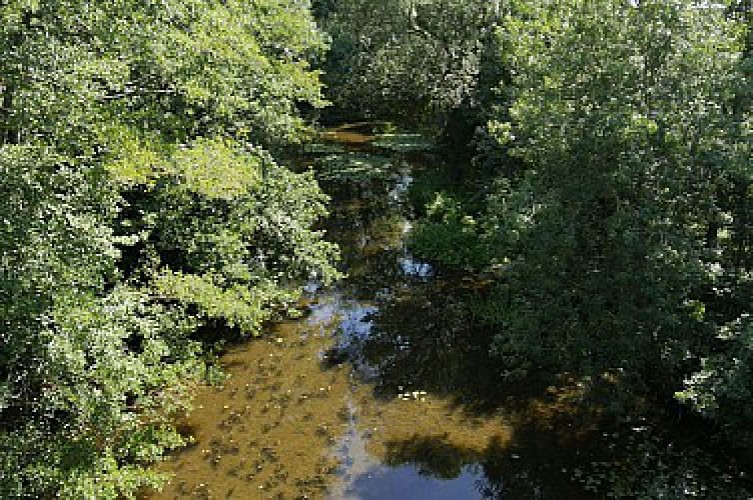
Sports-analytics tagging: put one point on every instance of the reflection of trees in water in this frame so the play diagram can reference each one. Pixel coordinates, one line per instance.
(370, 233)
(421, 339)
(431, 456)
(500, 474)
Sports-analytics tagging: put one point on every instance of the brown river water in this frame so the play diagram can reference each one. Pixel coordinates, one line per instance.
(380, 391)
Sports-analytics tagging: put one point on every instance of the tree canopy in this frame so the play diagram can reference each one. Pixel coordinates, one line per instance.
(616, 199)
(139, 203)
(598, 183)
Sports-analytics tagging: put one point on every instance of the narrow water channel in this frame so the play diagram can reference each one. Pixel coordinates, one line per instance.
(380, 391)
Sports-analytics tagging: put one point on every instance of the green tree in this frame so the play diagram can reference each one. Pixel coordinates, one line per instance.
(136, 188)
(414, 60)
(622, 116)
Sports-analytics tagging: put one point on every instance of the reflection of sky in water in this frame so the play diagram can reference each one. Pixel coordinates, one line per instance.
(415, 268)
(401, 186)
(353, 316)
(324, 311)
(364, 477)
(355, 324)
(294, 407)
(405, 483)
(349, 321)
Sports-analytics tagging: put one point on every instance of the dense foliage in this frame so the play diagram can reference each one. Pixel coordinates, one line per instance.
(138, 204)
(411, 60)
(615, 222)
(604, 201)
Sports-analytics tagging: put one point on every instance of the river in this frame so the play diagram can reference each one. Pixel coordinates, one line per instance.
(380, 390)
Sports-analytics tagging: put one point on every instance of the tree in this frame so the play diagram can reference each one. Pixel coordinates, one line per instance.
(138, 203)
(406, 59)
(622, 115)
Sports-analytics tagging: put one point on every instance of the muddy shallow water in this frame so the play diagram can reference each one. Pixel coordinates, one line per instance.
(379, 391)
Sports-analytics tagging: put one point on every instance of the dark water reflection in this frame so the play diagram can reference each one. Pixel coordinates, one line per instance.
(383, 391)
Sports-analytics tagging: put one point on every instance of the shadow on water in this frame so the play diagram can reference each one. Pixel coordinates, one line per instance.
(385, 388)
(428, 415)
(445, 426)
